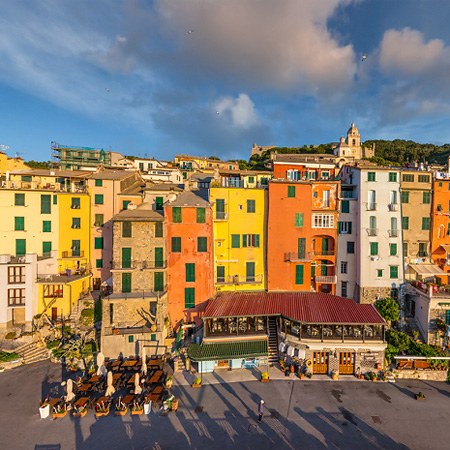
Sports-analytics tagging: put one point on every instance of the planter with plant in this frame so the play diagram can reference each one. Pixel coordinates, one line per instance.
(264, 377)
(102, 409)
(44, 408)
(309, 375)
(420, 396)
(197, 383)
(169, 382)
(147, 405)
(121, 408)
(59, 410)
(334, 375)
(137, 408)
(80, 411)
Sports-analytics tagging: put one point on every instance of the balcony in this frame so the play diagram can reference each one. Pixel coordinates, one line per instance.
(326, 279)
(348, 195)
(393, 233)
(393, 206)
(371, 206)
(138, 265)
(372, 231)
(320, 252)
(237, 280)
(220, 215)
(73, 254)
(295, 257)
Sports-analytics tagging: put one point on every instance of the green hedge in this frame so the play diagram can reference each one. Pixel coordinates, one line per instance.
(6, 357)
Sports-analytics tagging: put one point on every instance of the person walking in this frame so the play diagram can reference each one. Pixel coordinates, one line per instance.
(260, 410)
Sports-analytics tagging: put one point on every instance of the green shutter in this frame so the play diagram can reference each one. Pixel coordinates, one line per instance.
(55, 199)
(220, 209)
(201, 215)
(189, 297)
(301, 248)
(202, 244)
(404, 196)
(46, 248)
(99, 220)
(19, 223)
(46, 204)
(373, 248)
(76, 244)
(220, 274)
(257, 240)
(244, 240)
(323, 267)
(99, 263)
(405, 223)
(250, 271)
(19, 199)
(299, 272)
(345, 206)
(176, 244)
(159, 201)
(126, 229)
(159, 229)
(235, 241)
(425, 223)
(126, 282)
(76, 222)
(426, 198)
(393, 176)
(291, 192)
(46, 226)
(251, 206)
(75, 203)
(158, 283)
(21, 247)
(370, 176)
(98, 199)
(126, 257)
(99, 183)
(159, 257)
(125, 204)
(299, 217)
(98, 243)
(392, 249)
(176, 214)
(190, 272)
(393, 272)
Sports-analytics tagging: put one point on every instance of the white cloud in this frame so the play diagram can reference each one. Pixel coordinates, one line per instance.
(241, 110)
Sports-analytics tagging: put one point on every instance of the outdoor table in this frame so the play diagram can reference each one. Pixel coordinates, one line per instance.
(155, 397)
(157, 390)
(116, 364)
(128, 399)
(85, 387)
(81, 402)
(53, 402)
(94, 379)
(154, 363)
(130, 363)
(156, 376)
(102, 400)
(116, 378)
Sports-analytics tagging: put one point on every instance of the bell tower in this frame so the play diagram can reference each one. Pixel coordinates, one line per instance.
(354, 141)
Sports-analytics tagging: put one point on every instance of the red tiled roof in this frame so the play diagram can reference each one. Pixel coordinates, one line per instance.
(304, 307)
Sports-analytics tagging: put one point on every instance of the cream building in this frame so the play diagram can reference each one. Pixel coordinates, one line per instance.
(350, 149)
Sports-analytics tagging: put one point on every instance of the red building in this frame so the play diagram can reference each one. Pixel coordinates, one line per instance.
(190, 255)
(304, 167)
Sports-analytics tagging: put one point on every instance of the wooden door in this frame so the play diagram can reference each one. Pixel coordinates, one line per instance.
(346, 363)
(320, 362)
(54, 313)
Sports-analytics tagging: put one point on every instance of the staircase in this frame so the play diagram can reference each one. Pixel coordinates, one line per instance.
(273, 341)
(31, 353)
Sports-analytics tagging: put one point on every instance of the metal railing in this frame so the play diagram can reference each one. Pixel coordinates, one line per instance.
(320, 252)
(138, 264)
(73, 254)
(371, 206)
(372, 231)
(236, 279)
(294, 256)
(393, 233)
(393, 206)
(220, 215)
(326, 279)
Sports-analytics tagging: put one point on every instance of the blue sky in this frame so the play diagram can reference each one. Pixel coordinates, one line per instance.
(156, 78)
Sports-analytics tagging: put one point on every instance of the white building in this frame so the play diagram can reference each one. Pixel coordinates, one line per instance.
(370, 257)
(158, 171)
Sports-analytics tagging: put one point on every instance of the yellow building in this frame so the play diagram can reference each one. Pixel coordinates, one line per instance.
(8, 164)
(239, 245)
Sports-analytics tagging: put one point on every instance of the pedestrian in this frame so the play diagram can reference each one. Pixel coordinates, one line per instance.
(260, 410)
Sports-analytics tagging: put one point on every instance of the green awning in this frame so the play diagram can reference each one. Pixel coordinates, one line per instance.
(227, 350)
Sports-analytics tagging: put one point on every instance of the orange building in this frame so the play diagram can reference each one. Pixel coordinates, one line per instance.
(304, 167)
(302, 235)
(190, 256)
(440, 224)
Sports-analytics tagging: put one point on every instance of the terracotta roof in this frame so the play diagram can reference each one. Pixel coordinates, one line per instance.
(163, 187)
(306, 307)
(190, 198)
(119, 174)
(143, 213)
(320, 158)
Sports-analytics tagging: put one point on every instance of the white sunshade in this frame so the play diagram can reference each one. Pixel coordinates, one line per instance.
(427, 269)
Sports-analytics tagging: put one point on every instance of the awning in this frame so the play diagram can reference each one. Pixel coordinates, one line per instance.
(427, 269)
(227, 350)
(446, 247)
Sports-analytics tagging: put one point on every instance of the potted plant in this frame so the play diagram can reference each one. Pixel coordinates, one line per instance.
(147, 405)
(137, 408)
(102, 409)
(121, 407)
(44, 408)
(264, 377)
(80, 411)
(420, 396)
(59, 410)
(197, 383)
(309, 375)
(334, 375)
(169, 382)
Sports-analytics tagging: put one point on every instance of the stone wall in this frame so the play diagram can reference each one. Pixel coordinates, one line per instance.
(431, 375)
(372, 294)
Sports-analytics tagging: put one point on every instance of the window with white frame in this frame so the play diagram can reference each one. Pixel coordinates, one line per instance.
(343, 266)
(326, 199)
(344, 288)
(293, 174)
(322, 221)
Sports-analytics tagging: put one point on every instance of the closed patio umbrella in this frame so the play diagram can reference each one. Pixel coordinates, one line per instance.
(137, 386)
(100, 364)
(110, 388)
(70, 395)
(144, 362)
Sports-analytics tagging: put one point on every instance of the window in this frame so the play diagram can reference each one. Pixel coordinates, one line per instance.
(126, 258)
(76, 222)
(404, 196)
(19, 223)
(190, 272)
(251, 206)
(125, 204)
(345, 227)
(159, 257)
(299, 272)
(158, 282)
(130, 339)
(291, 192)
(301, 248)
(46, 248)
(220, 274)
(19, 199)
(350, 247)
(345, 206)
(159, 229)
(55, 199)
(408, 178)
(440, 184)
(393, 197)
(76, 247)
(344, 265)
(201, 215)
(425, 223)
(405, 249)
(99, 183)
(322, 221)
(99, 220)
(16, 275)
(220, 209)
(176, 244)
(16, 297)
(159, 202)
(249, 271)
(46, 226)
(392, 177)
(424, 178)
(405, 223)
(326, 198)
(189, 297)
(126, 229)
(370, 176)
(325, 174)
(373, 248)
(372, 226)
(98, 243)
(99, 263)
(299, 219)
(423, 249)
(176, 214)
(344, 285)
(126, 282)
(21, 247)
(98, 199)
(393, 272)
(426, 198)
(46, 204)
(53, 290)
(202, 244)
(75, 203)
(251, 180)
(393, 249)
(380, 273)
(235, 241)
(250, 240)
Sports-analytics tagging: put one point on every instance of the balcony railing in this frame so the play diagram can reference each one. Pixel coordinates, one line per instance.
(220, 215)
(326, 279)
(393, 206)
(371, 206)
(236, 279)
(295, 257)
(320, 252)
(372, 231)
(393, 233)
(73, 254)
(348, 195)
(138, 264)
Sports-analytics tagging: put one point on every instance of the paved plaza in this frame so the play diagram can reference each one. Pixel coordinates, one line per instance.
(307, 414)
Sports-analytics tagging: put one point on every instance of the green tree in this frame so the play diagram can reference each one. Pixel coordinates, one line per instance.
(388, 308)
